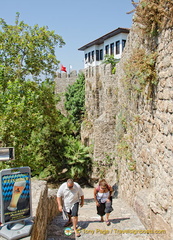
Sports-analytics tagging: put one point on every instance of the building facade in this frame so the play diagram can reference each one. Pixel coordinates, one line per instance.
(111, 43)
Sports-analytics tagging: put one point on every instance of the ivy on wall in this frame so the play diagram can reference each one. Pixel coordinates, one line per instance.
(140, 71)
(154, 16)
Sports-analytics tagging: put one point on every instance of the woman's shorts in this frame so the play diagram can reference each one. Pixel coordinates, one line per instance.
(104, 208)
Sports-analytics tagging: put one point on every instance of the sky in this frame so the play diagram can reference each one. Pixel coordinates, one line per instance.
(78, 22)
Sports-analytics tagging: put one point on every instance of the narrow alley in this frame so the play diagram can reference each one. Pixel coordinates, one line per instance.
(123, 219)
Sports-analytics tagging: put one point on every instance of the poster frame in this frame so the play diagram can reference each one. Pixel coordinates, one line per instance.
(22, 171)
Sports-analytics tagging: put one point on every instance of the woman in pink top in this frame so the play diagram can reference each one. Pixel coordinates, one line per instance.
(103, 199)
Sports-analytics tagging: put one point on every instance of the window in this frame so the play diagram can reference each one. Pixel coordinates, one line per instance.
(97, 55)
(101, 54)
(123, 44)
(89, 57)
(86, 57)
(107, 49)
(118, 47)
(112, 49)
(92, 55)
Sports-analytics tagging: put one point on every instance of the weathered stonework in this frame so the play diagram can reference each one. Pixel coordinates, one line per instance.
(45, 208)
(98, 128)
(62, 81)
(148, 184)
(153, 148)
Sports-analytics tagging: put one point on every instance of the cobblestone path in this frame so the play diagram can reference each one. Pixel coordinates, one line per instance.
(123, 218)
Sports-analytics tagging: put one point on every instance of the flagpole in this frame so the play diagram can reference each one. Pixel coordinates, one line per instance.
(70, 66)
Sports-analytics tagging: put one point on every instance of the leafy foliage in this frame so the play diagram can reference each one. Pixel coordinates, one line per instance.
(42, 137)
(110, 59)
(75, 100)
(29, 121)
(79, 160)
(28, 51)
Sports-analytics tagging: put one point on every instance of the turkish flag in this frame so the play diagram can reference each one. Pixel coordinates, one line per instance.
(63, 68)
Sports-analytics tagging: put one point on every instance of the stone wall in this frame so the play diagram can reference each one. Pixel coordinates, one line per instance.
(44, 208)
(151, 185)
(98, 128)
(147, 184)
(62, 81)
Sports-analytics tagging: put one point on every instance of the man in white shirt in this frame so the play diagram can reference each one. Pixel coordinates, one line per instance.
(70, 194)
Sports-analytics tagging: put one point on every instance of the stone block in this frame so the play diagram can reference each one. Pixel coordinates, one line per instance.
(141, 206)
(73, 73)
(158, 223)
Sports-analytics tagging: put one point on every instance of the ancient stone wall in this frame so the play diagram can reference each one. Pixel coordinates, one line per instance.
(98, 128)
(145, 171)
(149, 187)
(62, 81)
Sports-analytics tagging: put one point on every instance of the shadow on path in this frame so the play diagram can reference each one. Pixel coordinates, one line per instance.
(122, 218)
(85, 224)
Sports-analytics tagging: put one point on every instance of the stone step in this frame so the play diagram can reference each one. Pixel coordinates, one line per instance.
(125, 224)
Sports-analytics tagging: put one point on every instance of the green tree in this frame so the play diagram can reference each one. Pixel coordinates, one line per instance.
(42, 136)
(75, 100)
(29, 120)
(28, 51)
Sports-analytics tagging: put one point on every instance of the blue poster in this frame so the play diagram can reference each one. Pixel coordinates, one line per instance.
(15, 202)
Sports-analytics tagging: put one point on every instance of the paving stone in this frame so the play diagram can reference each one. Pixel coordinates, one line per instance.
(122, 218)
